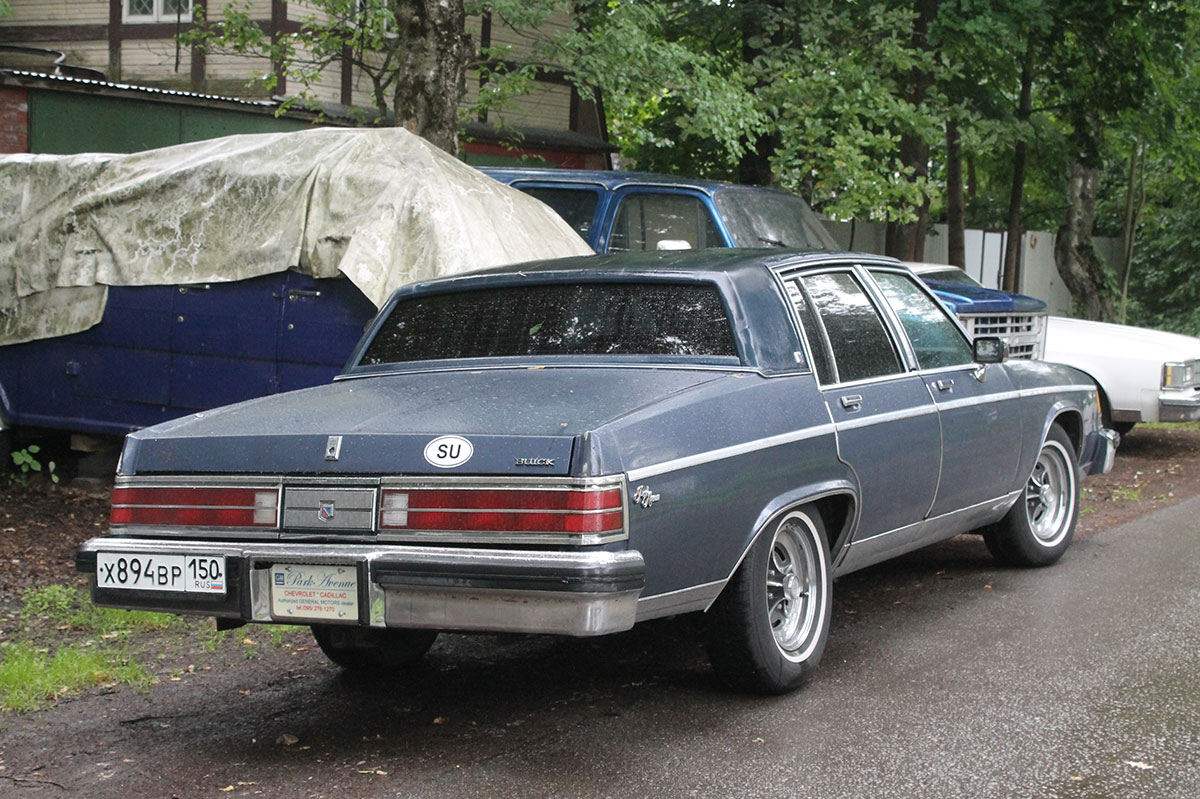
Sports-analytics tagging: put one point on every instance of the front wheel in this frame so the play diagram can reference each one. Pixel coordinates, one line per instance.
(767, 630)
(1037, 530)
(369, 649)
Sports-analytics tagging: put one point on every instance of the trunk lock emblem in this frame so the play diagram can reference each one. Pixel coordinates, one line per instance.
(333, 448)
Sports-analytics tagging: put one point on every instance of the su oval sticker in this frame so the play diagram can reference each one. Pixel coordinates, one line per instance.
(446, 452)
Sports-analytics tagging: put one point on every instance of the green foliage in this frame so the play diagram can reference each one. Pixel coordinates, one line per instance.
(33, 672)
(399, 47)
(31, 677)
(64, 606)
(825, 94)
(26, 460)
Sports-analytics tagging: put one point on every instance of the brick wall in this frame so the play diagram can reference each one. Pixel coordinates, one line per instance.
(14, 120)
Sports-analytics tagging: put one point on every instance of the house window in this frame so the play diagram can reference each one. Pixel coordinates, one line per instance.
(158, 10)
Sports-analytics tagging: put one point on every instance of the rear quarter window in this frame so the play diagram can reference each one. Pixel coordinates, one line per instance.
(686, 320)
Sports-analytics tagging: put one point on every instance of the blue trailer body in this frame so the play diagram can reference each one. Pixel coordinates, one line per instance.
(163, 351)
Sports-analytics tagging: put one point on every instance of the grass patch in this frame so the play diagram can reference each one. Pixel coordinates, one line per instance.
(46, 661)
(64, 645)
(62, 606)
(1169, 425)
(1127, 494)
(31, 678)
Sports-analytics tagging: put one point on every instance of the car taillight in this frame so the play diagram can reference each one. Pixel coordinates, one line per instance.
(195, 507)
(569, 511)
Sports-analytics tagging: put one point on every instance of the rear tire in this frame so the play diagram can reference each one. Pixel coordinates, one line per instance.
(1037, 530)
(370, 649)
(767, 630)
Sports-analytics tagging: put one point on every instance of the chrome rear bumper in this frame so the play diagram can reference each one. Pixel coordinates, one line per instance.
(443, 588)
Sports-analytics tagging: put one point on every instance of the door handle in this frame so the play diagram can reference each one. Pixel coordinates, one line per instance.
(852, 402)
(945, 385)
(294, 294)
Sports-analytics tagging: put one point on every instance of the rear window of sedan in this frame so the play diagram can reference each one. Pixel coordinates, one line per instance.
(686, 320)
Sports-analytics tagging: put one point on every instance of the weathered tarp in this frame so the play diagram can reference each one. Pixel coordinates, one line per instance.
(381, 206)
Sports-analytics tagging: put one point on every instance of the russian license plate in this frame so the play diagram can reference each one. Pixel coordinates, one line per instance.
(200, 574)
(314, 592)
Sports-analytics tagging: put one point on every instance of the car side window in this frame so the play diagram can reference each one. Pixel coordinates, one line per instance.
(935, 338)
(818, 347)
(576, 205)
(861, 345)
(648, 221)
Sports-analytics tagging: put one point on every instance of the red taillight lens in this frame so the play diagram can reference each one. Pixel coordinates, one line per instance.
(195, 507)
(572, 511)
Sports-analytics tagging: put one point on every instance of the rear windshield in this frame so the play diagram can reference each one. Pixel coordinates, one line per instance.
(658, 319)
(759, 218)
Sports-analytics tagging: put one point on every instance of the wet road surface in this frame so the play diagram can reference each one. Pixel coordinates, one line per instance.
(943, 677)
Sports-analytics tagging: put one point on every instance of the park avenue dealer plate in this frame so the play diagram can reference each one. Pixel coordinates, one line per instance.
(306, 592)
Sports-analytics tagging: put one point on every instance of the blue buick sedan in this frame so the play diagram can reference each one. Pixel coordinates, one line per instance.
(575, 446)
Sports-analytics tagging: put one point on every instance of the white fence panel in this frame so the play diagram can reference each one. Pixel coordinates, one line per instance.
(985, 256)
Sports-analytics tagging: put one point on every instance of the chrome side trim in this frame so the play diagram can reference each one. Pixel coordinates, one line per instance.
(221, 533)
(1037, 392)
(391, 535)
(893, 532)
(884, 546)
(701, 458)
(508, 483)
(1005, 499)
(891, 416)
(516, 483)
(1004, 396)
(685, 600)
(190, 481)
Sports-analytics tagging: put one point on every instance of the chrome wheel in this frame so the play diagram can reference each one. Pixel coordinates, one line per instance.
(767, 630)
(1050, 495)
(1038, 528)
(795, 587)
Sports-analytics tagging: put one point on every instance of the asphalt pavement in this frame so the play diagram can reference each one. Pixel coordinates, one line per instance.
(944, 677)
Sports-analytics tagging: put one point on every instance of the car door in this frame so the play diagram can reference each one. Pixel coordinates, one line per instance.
(887, 425)
(224, 343)
(323, 318)
(981, 428)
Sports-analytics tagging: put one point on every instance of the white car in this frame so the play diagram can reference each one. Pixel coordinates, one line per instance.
(1143, 375)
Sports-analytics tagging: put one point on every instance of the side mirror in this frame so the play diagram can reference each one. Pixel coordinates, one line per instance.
(989, 349)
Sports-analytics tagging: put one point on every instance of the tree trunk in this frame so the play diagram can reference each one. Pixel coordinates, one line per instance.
(955, 218)
(1135, 198)
(906, 240)
(434, 50)
(1080, 267)
(754, 167)
(1012, 251)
